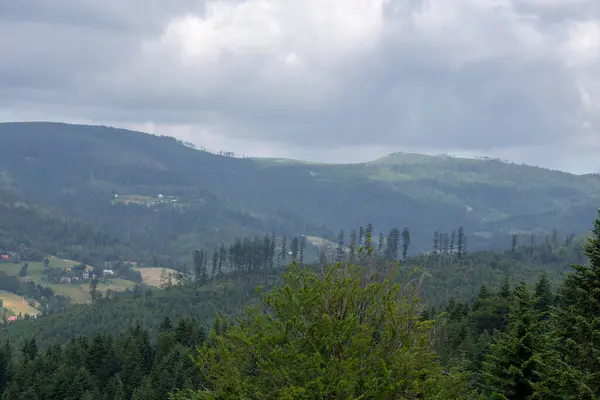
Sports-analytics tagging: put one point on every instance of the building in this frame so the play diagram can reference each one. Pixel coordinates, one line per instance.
(12, 318)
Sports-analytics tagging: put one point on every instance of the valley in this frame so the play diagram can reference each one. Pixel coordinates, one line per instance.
(123, 254)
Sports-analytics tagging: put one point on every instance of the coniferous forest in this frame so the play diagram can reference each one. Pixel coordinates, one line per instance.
(137, 267)
(359, 326)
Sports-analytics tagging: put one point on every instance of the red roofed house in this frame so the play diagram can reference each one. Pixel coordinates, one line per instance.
(12, 318)
(4, 257)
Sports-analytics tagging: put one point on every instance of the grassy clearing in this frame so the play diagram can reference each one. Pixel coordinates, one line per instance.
(17, 303)
(134, 199)
(151, 275)
(79, 293)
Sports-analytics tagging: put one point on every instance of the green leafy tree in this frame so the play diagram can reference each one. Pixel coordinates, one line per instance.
(344, 335)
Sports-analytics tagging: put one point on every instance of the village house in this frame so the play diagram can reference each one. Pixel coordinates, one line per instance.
(65, 279)
(12, 318)
(108, 272)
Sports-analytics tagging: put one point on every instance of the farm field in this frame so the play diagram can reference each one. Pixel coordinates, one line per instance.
(17, 303)
(151, 275)
(79, 293)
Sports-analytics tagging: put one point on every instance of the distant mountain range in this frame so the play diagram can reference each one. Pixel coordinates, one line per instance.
(161, 195)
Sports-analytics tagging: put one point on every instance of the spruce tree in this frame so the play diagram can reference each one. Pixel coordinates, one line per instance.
(393, 244)
(369, 236)
(544, 298)
(352, 244)
(436, 242)
(576, 327)
(405, 242)
(461, 246)
(380, 243)
(513, 367)
(340, 250)
(295, 247)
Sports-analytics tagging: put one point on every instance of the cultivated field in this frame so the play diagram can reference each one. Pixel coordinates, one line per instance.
(151, 275)
(79, 293)
(17, 303)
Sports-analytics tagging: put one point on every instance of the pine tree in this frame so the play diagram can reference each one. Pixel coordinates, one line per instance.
(145, 391)
(302, 248)
(461, 246)
(505, 291)
(544, 298)
(393, 244)
(340, 250)
(513, 243)
(215, 264)
(197, 260)
(436, 242)
(94, 294)
(283, 249)
(295, 247)
(405, 242)
(369, 236)
(115, 389)
(166, 325)
(352, 245)
(222, 259)
(575, 325)
(380, 243)
(513, 367)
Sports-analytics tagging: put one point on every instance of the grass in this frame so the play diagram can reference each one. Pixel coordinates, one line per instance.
(151, 275)
(79, 293)
(17, 303)
(134, 199)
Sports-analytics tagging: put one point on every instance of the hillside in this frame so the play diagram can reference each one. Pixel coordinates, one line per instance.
(112, 179)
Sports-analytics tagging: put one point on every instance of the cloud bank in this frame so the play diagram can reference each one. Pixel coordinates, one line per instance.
(329, 80)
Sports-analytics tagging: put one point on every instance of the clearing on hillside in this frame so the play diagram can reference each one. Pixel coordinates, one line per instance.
(17, 303)
(151, 275)
(79, 293)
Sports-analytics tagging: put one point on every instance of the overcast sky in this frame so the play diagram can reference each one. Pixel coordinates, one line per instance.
(327, 80)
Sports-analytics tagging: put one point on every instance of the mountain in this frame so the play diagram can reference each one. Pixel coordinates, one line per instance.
(165, 198)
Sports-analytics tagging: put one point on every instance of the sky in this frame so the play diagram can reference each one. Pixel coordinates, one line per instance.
(320, 80)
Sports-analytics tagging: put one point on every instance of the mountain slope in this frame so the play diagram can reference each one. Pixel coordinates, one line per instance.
(79, 169)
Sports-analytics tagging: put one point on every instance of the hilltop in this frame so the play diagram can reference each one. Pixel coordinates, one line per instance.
(162, 198)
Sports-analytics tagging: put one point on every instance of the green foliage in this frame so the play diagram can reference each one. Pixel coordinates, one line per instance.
(513, 367)
(342, 335)
(576, 328)
(120, 367)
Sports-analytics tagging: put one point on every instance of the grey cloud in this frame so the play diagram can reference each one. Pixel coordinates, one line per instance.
(464, 77)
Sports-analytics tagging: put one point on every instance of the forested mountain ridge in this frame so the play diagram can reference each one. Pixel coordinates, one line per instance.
(112, 178)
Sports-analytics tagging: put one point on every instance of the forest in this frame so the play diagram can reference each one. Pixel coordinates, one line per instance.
(69, 172)
(473, 279)
(364, 324)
